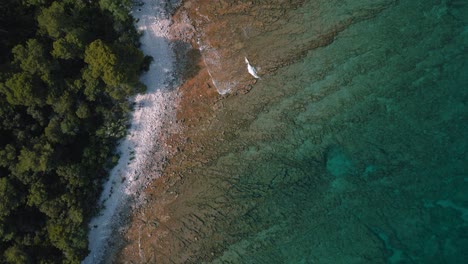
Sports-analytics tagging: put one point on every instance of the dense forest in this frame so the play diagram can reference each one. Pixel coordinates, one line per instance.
(67, 69)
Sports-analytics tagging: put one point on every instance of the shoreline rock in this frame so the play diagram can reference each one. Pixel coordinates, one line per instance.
(186, 233)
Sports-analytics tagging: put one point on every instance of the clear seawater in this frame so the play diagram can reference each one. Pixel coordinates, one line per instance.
(357, 152)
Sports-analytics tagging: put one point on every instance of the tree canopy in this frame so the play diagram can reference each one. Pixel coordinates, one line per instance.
(67, 69)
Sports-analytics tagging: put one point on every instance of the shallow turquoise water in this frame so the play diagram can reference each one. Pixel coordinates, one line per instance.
(357, 153)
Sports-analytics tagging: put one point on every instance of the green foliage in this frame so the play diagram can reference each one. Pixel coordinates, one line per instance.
(32, 59)
(67, 69)
(103, 63)
(69, 47)
(82, 111)
(21, 89)
(117, 67)
(54, 20)
(37, 194)
(70, 125)
(9, 200)
(7, 156)
(53, 132)
(118, 8)
(63, 103)
(92, 86)
(35, 2)
(16, 25)
(36, 159)
(15, 255)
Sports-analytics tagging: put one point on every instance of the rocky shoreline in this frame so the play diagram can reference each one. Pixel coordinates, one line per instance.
(206, 126)
(319, 66)
(144, 150)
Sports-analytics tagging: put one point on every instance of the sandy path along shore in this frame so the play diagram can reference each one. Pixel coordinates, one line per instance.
(151, 121)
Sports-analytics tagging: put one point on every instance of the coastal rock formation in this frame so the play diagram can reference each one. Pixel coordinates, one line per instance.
(271, 34)
(347, 151)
